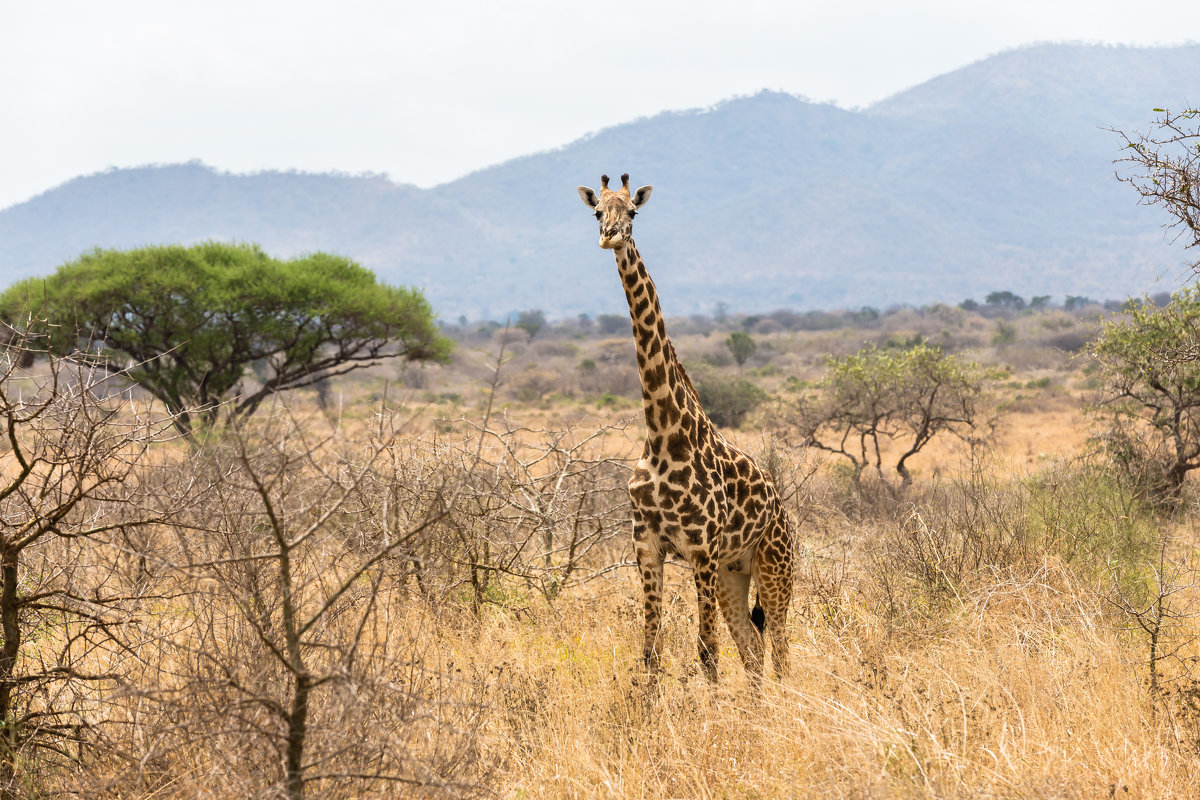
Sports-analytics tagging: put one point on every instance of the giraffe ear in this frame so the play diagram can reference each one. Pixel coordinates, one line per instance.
(589, 197)
(641, 196)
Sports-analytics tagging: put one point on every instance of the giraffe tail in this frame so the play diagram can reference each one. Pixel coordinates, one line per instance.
(758, 617)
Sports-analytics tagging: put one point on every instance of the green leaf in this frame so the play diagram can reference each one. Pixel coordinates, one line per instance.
(194, 320)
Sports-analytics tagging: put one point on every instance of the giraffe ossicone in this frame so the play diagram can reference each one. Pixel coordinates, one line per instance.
(692, 492)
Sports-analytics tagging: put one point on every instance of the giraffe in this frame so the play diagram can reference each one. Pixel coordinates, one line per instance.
(692, 492)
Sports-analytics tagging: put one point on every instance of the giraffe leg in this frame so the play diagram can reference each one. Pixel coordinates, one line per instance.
(706, 603)
(650, 565)
(773, 574)
(734, 595)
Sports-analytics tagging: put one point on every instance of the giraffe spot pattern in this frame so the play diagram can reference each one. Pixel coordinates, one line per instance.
(692, 493)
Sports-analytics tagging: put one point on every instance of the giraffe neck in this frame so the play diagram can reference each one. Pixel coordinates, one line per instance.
(667, 395)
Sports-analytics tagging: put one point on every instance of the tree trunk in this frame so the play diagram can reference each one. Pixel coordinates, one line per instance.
(10, 624)
(297, 734)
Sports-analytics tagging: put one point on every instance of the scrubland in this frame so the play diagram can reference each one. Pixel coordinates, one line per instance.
(418, 582)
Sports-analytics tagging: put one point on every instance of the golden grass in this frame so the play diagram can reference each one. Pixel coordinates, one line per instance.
(1023, 684)
(1024, 691)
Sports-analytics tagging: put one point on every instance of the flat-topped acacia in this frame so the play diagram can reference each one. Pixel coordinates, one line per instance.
(189, 324)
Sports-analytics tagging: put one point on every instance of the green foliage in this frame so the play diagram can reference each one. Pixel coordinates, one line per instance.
(959, 533)
(531, 321)
(193, 320)
(741, 345)
(727, 401)
(1149, 377)
(1090, 518)
(765, 371)
(908, 395)
(1005, 300)
(901, 342)
(1006, 333)
(795, 384)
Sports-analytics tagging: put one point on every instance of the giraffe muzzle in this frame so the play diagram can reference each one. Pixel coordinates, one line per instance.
(612, 240)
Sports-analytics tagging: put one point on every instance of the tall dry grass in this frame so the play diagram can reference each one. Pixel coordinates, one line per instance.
(984, 661)
(956, 640)
(1023, 690)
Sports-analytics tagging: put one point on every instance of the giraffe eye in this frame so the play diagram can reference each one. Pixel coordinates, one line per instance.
(598, 215)
(632, 214)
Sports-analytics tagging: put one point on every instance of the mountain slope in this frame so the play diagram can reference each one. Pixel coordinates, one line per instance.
(994, 176)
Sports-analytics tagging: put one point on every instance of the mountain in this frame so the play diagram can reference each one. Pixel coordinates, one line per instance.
(997, 176)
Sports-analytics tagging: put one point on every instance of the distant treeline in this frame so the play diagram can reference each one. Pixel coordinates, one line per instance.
(998, 304)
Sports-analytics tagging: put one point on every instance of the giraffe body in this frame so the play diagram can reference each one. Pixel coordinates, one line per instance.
(692, 492)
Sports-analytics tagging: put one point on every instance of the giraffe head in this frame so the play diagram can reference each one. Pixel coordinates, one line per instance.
(615, 210)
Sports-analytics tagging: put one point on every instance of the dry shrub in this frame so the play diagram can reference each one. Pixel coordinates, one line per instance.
(464, 618)
(294, 656)
(321, 594)
(930, 543)
(607, 378)
(72, 494)
(533, 384)
(766, 327)
(1071, 341)
(711, 353)
(1026, 358)
(1143, 459)
(539, 509)
(962, 534)
(861, 497)
(551, 348)
(612, 371)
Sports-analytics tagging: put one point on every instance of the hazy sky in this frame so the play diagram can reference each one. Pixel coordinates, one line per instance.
(428, 91)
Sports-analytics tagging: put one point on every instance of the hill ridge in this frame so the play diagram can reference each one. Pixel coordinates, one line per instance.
(978, 180)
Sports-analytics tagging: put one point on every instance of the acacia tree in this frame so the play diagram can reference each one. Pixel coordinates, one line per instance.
(193, 321)
(1163, 165)
(741, 345)
(1149, 395)
(1005, 299)
(531, 321)
(907, 397)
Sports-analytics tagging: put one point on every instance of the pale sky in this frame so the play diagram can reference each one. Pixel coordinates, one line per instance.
(429, 91)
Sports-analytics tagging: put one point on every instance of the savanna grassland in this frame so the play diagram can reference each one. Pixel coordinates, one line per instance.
(419, 582)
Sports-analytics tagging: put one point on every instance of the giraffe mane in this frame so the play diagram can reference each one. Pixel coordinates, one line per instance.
(683, 372)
